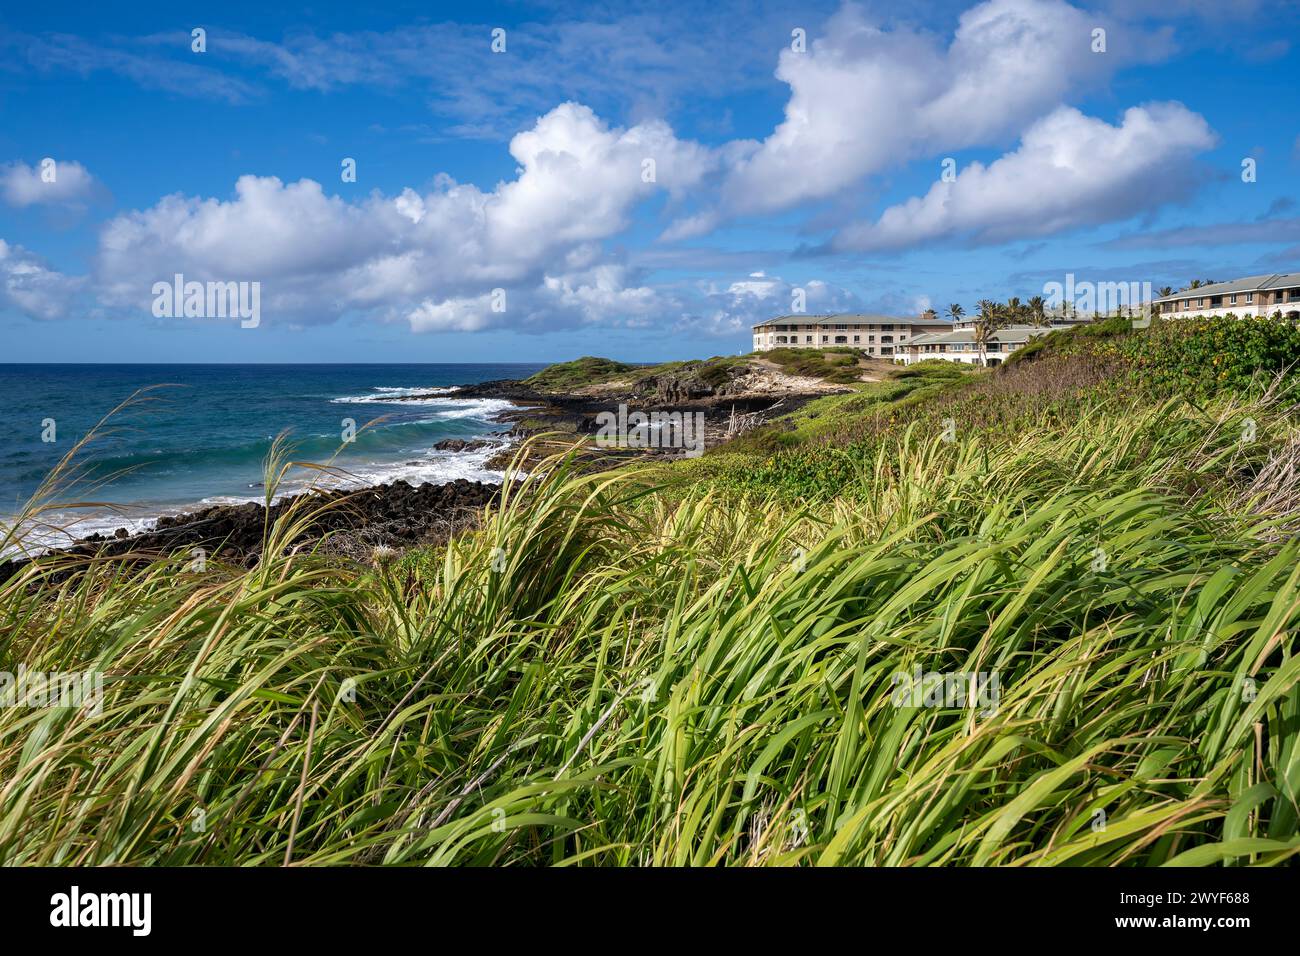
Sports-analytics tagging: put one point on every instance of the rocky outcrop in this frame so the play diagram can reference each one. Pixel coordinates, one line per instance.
(397, 515)
(462, 444)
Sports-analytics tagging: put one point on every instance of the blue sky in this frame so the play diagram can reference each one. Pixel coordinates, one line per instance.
(518, 179)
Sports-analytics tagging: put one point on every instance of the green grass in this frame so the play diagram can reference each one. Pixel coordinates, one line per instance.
(571, 376)
(836, 365)
(829, 417)
(588, 370)
(606, 673)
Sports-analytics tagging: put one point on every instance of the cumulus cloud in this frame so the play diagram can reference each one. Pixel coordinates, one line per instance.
(32, 288)
(1070, 170)
(50, 182)
(864, 98)
(432, 258)
(730, 307)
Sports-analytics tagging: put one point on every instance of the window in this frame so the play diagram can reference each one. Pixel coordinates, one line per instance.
(886, 350)
(1250, 297)
(857, 338)
(808, 339)
(826, 338)
(886, 338)
(1232, 300)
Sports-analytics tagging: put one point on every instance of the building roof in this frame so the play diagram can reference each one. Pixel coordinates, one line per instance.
(846, 317)
(1009, 335)
(1248, 284)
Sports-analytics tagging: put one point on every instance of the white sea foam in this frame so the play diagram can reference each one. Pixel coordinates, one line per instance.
(59, 529)
(437, 467)
(482, 408)
(447, 409)
(433, 466)
(386, 393)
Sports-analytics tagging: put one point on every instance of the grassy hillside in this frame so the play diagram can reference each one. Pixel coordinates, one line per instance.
(588, 370)
(838, 366)
(716, 670)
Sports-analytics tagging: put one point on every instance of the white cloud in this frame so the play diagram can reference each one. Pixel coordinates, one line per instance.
(733, 307)
(1070, 170)
(30, 287)
(864, 99)
(51, 181)
(601, 295)
(432, 258)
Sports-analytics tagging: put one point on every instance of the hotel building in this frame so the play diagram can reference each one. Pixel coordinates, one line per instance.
(1251, 296)
(882, 336)
(959, 345)
(898, 340)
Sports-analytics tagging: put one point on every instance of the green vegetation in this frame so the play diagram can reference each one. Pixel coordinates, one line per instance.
(588, 370)
(709, 672)
(1070, 339)
(836, 365)
(1204, 356)
(830, 417)
(567, 377)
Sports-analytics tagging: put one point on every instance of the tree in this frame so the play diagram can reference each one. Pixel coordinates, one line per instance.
(955, 311)
(1038, 311)
(988, 320)
(929, 315)
(1166, 291)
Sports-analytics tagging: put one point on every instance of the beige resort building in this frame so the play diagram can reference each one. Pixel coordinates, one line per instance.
(959, 345)
(880, 335)
(899, 340)
(1251, 296)
(916, 340)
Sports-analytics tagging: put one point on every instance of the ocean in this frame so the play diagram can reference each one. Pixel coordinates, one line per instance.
(201, 438)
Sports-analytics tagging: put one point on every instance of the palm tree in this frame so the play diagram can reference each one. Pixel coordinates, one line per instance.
(1014, 309)
(929, 315)
(955, 311)
(1038, 310)
(987, 321)
(1166, 291)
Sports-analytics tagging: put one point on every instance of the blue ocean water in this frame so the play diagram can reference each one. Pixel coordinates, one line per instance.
(201, 437)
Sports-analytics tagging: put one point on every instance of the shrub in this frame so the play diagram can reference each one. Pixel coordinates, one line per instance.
(1205, 356)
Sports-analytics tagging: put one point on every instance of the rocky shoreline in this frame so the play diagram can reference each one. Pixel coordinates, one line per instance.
(730, 405)
(356, 524)
(398, 515)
